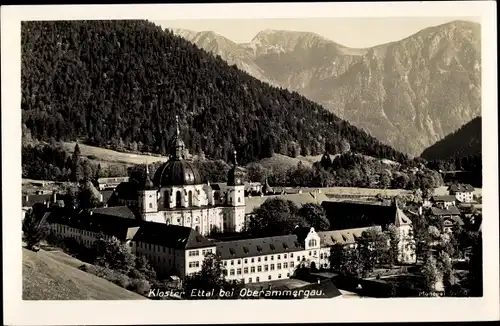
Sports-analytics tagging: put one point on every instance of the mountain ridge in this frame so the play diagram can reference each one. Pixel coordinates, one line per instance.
(408, 93)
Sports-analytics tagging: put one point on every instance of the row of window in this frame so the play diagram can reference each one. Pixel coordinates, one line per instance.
(285, 256)
(269, 278)
(260, 268)
(194, 264)
(153, 247)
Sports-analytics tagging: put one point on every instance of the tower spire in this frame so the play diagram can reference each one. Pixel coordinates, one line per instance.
(177, 125)
(234, 158)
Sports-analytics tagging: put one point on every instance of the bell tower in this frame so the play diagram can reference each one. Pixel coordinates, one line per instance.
(235, 220)
(148, 201)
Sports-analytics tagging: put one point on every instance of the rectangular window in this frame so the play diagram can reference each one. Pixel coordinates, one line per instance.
(246, 261)
(232, 262)
(269, 277)
(252, 269)
(285, 265)
(266, 268)
(258, 259)
(225, 263)
(279, 266)
(259, 268)
(257, 279)
(231, 271)
(279, 257)
(272, 267)
(238, 271)
(321, 256)
(310, 253)
(245, 270)
(279, 275)
(239, 261)
(298, 258)
(249, 280)
(314, 252)
(253, 260)
(265, 258)
(287, 274)
(272, 257)
(292, 264)
(285, 256)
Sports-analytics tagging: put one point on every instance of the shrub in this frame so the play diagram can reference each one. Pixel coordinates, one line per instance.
(139, 286)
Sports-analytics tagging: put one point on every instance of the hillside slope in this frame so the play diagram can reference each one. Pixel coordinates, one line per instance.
(464, 142)
(409, 93)
(123, 82)
(55, 276)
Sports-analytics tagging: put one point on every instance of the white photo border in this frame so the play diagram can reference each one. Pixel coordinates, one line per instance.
(19, 312)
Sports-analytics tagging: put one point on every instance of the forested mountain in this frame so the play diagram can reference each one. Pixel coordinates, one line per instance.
(466, 141)
(123, 82)
(408, 94)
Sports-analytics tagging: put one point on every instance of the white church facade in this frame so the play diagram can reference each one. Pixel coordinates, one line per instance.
(177, 195)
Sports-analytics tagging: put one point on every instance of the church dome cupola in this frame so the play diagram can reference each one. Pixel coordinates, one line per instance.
(235, 176)
(177, 171)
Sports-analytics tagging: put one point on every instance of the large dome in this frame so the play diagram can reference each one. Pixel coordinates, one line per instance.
(177, 173)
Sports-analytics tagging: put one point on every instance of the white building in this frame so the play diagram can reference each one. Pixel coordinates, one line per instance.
(178, 196)
(464, 193)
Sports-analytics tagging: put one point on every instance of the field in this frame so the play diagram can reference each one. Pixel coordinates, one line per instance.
(55, 276)
(104, 156)
(444, 191)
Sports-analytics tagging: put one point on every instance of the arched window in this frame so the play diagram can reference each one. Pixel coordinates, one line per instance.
(239, 199)
(178, 199)
(190, 198)
(166, 199)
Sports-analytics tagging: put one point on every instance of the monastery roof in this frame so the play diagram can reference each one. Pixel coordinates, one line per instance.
(452, 210)
(110, 224)
(350, 215)
(117, 211)
(461, 188)
(347, 236)
(298, 199)
(171, 236)
(259, 247)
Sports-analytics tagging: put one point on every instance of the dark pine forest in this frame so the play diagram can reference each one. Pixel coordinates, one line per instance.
(121, 83)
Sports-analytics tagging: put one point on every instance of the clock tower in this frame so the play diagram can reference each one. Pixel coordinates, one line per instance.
(236, 197)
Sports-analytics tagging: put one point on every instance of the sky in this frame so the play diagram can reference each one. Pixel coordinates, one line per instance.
(351, 32)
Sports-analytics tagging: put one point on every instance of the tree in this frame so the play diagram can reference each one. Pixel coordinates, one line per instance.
(211, 277)
(88, 195)
(275, 217)
(143, 269)
(431, 274)
(35, 229)
(346, 260)
(315, 216)
(373, 248)
(345, 147)
(393, 252)
(76, 169)
(113, 254)
(474, 279)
